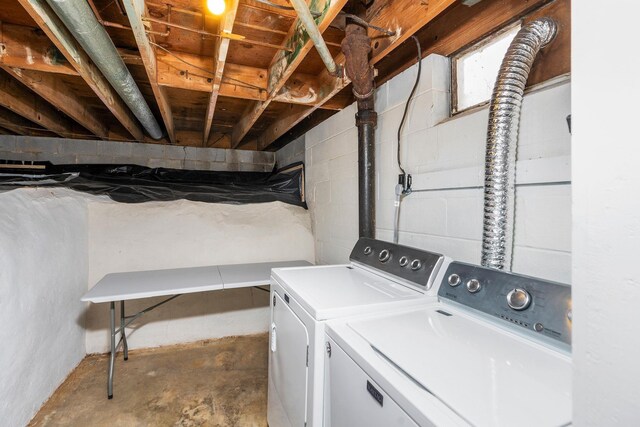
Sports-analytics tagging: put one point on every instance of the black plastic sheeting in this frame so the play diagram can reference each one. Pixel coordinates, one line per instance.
(137, 184)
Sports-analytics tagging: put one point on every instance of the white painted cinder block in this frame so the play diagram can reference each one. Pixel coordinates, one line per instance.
(445, 154)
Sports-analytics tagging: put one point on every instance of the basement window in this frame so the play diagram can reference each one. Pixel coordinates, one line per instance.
(474, 70)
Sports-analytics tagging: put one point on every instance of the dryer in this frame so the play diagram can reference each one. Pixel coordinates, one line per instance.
(381, 277)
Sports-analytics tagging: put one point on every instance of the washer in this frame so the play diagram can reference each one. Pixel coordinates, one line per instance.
(493, 351)
(381, 277)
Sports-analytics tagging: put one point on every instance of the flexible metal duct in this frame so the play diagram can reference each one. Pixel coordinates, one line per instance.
(502, 137)
(80, 20)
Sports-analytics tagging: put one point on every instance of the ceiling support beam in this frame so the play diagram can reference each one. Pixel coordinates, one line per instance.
(19, 125)
(135, 10)
(405, 17)
(17, 98)
(28, 48)
(56, 93)
(284, 64)
(222, 47)
(49, 22)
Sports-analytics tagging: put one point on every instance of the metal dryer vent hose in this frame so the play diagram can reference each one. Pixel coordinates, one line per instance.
(502, 137)
(82, 23)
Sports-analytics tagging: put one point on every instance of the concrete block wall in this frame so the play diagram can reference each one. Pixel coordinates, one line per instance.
(74, 151)
(291, 153)
(445, 155)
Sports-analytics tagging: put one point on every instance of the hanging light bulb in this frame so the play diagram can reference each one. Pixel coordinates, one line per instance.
(216, 6)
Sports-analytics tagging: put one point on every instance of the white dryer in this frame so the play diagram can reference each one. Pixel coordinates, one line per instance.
(493, 351)
(382, 277)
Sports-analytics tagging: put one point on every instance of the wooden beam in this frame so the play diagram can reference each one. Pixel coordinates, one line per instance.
(459, 27)
(19, 125)
(17, 98)
(135, 10)
(405, 17)
(222, 47)
(285, 63)
(49, 22)
(54, 91)
(29, 48)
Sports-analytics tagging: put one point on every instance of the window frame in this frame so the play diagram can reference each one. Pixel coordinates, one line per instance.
(455, 57)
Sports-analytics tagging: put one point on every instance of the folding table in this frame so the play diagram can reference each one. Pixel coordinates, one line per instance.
(172, 282)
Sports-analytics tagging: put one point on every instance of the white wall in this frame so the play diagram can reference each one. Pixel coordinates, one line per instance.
(134, 237)
(445, 156)
(43, 274)
(55, 244)
(606, 215)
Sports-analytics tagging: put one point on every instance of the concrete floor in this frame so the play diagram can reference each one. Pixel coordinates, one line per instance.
(210, 383)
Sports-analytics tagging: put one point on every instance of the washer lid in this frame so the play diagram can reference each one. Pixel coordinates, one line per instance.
(490, 377)
(339, 290)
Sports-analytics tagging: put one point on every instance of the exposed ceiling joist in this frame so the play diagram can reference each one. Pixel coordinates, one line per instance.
(17, 98)
(403, 16)
(55, 92)
(20, 126)
(222, 47)
(135, 10)
(284, 64)
(28, 48)
(46, 19)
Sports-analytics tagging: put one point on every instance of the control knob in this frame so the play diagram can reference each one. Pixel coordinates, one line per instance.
(518, 299)
(403, 261)
(473, 286)
(368, 250)
(384, 255)
(454, 280)
(416, 264)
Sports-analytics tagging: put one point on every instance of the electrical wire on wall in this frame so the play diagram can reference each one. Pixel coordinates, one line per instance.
(403, 188)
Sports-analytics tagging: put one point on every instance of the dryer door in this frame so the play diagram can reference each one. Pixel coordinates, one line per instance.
(288, 371)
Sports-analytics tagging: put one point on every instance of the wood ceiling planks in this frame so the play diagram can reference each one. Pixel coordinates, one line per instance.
(251, 96)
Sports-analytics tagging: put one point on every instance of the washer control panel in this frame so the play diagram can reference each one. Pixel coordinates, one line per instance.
(539, 306)
(410, 264)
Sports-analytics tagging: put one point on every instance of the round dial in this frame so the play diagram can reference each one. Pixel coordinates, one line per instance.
(518, 299)
(473, 286)
(384, 255)
(368, 250)
(454, 280)
(416, 264)
(403, 261)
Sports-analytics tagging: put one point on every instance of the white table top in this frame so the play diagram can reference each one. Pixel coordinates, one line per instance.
(154, 283)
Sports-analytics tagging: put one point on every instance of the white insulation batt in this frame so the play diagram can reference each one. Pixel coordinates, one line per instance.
(43, 274)
(55, 244)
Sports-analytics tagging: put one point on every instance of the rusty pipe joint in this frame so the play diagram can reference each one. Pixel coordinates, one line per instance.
(356, 46)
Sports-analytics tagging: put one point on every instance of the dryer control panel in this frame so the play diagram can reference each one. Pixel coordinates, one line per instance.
(539, 306)
(410, 264)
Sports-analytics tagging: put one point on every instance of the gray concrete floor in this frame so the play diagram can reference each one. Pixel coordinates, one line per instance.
(210, 383)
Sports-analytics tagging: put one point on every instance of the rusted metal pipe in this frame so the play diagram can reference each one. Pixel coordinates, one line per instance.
(356, 47)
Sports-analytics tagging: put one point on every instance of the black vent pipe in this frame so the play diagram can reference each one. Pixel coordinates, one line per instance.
(357, 47)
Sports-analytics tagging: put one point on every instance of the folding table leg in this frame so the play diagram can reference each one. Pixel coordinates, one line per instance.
(123, 334)
(112, 357)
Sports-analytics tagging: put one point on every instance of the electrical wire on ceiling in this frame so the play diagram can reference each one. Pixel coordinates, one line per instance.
(203, 69)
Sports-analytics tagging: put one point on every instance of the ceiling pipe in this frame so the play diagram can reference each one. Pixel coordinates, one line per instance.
(83, 24)
(357, 47)
(304, 14)
(502, 139)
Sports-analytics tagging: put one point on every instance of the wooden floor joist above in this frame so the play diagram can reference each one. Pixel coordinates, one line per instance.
(247, 79)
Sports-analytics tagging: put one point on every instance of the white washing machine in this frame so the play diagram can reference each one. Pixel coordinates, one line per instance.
(381, 277)
(493, 351)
